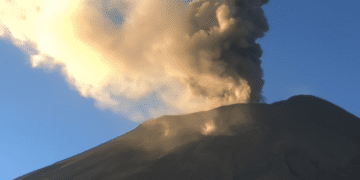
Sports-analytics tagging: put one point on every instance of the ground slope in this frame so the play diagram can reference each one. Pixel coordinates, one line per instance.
(303, 137)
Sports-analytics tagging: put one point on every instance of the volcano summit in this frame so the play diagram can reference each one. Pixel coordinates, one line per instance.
(301, 138)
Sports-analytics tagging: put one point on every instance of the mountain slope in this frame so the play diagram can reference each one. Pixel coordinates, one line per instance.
(303, 137)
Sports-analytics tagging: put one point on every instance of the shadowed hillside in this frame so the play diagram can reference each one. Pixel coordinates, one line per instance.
(304, 137)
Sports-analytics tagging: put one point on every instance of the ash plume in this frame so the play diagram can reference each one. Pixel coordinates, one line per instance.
(142, 58)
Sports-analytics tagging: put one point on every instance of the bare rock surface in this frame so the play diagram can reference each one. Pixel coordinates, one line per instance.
(301, 138)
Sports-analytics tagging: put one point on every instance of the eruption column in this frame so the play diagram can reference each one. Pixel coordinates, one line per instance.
(145, 59)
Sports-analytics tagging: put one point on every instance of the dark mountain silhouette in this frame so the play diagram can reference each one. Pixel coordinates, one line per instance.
(301, 138)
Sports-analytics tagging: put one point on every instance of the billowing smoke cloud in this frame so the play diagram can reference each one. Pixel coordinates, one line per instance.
(142, 58)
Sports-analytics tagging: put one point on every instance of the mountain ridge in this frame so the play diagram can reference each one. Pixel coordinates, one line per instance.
(303, 137)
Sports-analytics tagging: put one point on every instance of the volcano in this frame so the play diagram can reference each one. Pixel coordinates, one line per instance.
(301, 138)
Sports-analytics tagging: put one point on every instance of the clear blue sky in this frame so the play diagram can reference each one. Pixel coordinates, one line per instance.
(312, 48)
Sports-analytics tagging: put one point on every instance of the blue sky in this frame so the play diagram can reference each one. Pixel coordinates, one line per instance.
(311, 48)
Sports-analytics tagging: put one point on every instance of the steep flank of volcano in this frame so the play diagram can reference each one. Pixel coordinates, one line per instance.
(303, 137)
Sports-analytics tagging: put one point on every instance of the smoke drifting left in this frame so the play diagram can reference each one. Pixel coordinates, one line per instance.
(142, 58)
